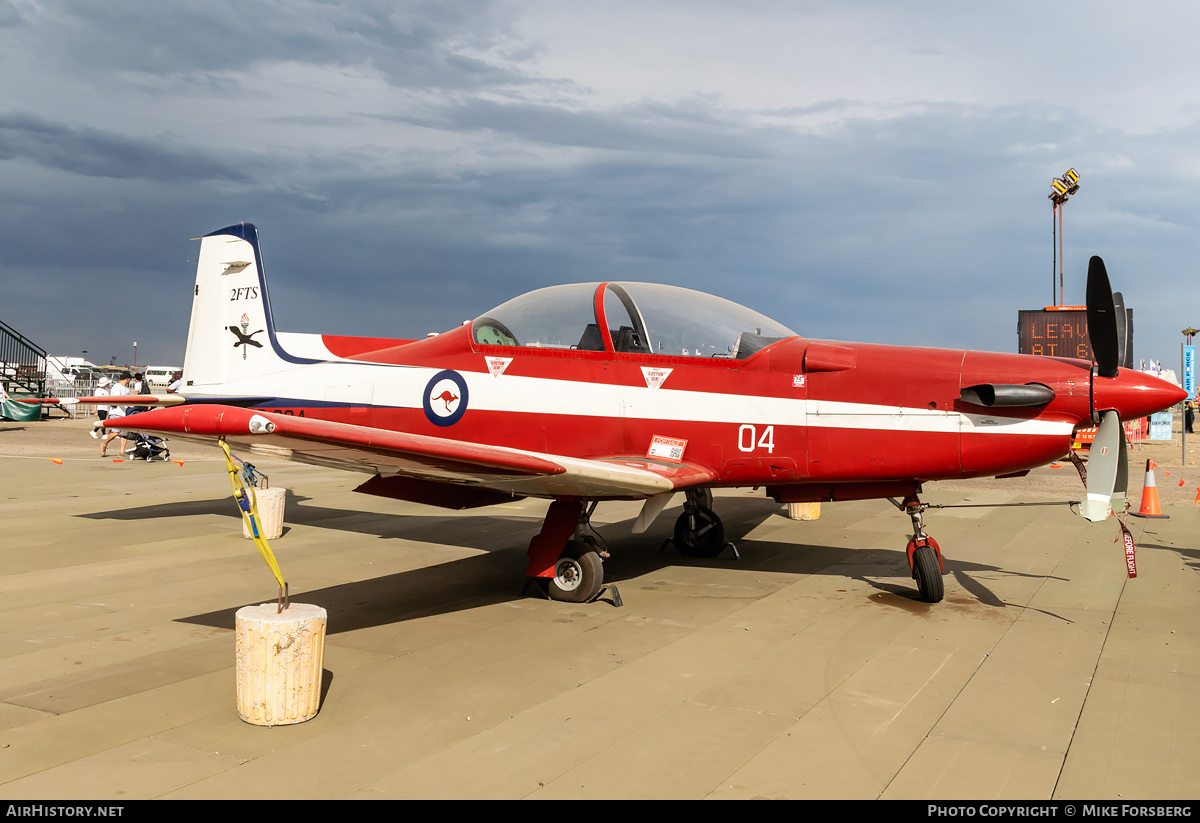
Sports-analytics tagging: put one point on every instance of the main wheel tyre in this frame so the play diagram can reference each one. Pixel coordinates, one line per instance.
(700, 534)
(928, 575)
(578, 574)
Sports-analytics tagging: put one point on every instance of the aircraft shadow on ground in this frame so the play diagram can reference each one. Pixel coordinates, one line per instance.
(1191, 557)
(483, 579)
(495, 576)
(300, 511)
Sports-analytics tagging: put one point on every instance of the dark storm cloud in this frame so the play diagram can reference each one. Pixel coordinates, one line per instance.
(474, 171)
(855, 233)
(420, 45)
(907, 229)
(97, 153)
(9, 14)
(802, 226)
(647, 127)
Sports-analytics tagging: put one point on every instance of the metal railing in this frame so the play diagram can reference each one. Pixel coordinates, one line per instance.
(22, 362)
(79, 387)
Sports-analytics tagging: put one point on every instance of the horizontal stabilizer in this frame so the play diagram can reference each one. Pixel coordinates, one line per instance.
(156, 400)
(111, 400)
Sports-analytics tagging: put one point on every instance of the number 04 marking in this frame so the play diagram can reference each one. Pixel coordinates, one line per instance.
(748, 439)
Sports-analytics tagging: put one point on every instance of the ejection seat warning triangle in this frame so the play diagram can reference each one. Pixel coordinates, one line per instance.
(497, 365)
(655, 377)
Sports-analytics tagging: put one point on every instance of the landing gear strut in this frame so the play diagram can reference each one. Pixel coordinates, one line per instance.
(698, 531)
(924, 554)
(567, 553)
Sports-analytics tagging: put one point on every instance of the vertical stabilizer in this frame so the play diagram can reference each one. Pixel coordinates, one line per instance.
(231, 337)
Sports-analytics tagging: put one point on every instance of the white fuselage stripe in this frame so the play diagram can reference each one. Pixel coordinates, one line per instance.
(404, 387)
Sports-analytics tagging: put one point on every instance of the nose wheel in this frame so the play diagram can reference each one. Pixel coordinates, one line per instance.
(927, 571)
(698, 531)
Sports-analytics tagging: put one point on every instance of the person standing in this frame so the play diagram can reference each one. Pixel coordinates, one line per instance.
(119, 389)
(139, 386)
(101, 410)
(176, 383)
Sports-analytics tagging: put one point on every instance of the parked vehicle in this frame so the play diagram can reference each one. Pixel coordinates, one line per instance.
(160, 376)
(70, 369)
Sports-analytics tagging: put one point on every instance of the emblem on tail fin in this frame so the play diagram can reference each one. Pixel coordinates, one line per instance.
(244, 339)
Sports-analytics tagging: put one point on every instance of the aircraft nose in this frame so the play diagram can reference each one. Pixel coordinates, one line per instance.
(1133, 394)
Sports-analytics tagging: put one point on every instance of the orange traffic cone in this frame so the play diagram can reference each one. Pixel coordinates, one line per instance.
(1150, 506)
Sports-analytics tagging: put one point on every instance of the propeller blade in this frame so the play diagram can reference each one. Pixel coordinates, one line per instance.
(1102, 319)
(1122, 331)
(1104, 464)
(1121, 485)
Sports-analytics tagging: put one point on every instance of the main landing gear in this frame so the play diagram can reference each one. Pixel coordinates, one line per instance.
(924, 555)
(578, 574)
(568, 554)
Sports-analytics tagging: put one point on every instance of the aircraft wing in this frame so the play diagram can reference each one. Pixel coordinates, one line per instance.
(390, 453)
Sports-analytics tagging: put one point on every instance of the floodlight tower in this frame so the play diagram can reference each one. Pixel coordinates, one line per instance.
(1060, 189)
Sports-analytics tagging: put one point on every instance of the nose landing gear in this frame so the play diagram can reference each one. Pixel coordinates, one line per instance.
(698, 531)
(924, 554)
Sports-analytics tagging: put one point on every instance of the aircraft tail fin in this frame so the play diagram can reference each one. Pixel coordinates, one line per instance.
(231, 337)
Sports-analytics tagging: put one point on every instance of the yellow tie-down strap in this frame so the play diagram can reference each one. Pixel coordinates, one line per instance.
(248, 505)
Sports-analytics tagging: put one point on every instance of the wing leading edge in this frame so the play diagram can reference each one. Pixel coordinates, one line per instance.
(391, 453)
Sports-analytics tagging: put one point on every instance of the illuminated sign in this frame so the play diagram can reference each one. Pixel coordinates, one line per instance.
(1062, 331)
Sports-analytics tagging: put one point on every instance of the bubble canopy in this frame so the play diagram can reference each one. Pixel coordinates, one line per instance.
(634, 318)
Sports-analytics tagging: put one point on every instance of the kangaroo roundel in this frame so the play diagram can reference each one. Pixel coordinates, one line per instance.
(445, 398)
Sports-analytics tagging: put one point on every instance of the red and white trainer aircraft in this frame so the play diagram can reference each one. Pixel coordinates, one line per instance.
(632, 391)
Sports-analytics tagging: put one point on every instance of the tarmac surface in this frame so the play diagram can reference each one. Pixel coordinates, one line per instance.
(806, 669)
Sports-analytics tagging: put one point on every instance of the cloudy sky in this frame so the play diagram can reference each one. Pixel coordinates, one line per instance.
(858, 170)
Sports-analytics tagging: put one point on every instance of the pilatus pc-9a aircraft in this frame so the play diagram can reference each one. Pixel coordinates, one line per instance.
(631, 391)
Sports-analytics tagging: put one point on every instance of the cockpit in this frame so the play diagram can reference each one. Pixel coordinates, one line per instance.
(634, 318)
